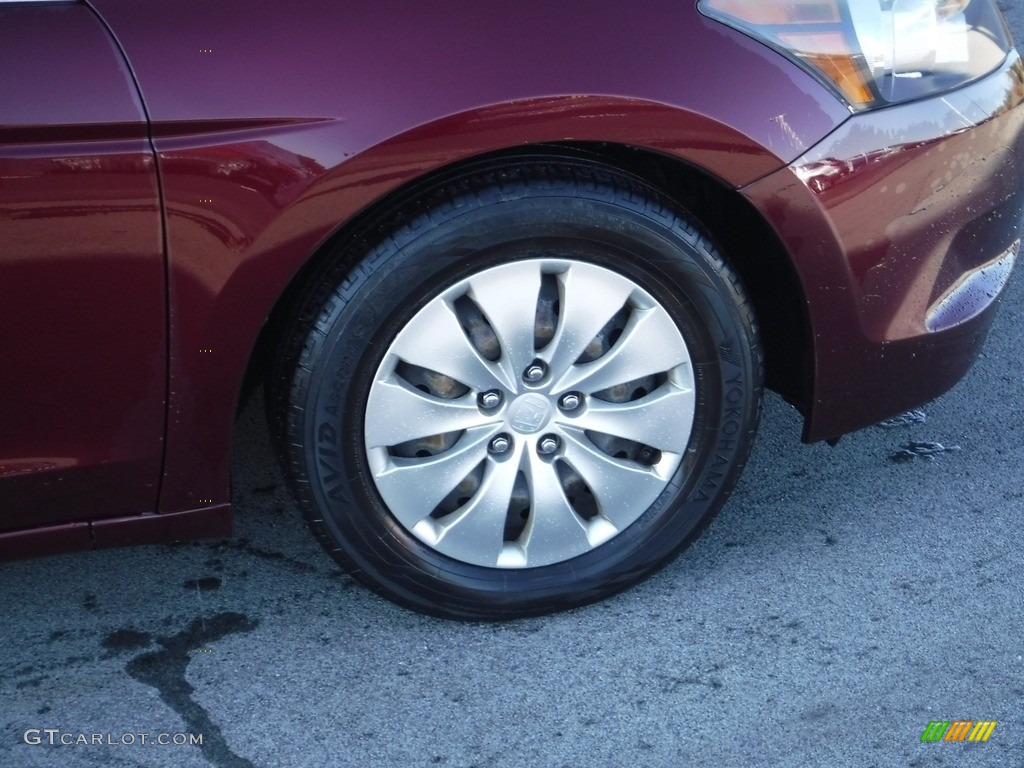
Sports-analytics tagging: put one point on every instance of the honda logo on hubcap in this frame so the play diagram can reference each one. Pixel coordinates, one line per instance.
(529, 413)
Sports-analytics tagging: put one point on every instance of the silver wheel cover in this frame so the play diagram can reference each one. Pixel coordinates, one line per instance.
(558, 463)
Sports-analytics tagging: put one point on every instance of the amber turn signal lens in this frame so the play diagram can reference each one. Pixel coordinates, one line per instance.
(825, 53)
(813, 31)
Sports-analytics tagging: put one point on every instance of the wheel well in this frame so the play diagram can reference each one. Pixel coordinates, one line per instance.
(753, 250)
(746, 240)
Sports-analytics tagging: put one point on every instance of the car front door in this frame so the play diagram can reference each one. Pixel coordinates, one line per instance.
(83, 369)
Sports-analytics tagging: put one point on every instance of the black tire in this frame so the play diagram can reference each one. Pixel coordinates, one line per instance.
(598, 222)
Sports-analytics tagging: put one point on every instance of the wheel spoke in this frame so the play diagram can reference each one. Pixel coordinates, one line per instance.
(478, 528)
(590, 298)
(434, 340)
(509, 301)
(414, 487)
(554, 531)
(650, 344)
(397, 412)
(622, 489)
(660, 420)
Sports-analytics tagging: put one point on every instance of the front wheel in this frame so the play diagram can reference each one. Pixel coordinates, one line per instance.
(532, 390)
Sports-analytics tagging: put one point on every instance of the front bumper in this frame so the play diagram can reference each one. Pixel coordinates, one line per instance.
(903, 225)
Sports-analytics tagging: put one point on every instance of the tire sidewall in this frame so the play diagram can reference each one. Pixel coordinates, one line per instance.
(652, 245)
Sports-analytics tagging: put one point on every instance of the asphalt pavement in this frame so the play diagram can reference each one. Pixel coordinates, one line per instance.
(843, 599)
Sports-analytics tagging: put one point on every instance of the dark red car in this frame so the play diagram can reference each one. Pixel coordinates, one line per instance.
(512, 275)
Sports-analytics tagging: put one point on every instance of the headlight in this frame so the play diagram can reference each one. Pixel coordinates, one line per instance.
(877, 52)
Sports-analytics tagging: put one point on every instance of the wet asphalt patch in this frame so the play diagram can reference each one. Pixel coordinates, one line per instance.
(123, 640)
(924, 450)
(912, 450)
(164, 670)
(908, 419)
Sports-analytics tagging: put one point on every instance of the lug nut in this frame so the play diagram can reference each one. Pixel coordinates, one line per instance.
(535, 372)
(570, 402)
(490, 399)
(547, 445)
(500, 444)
